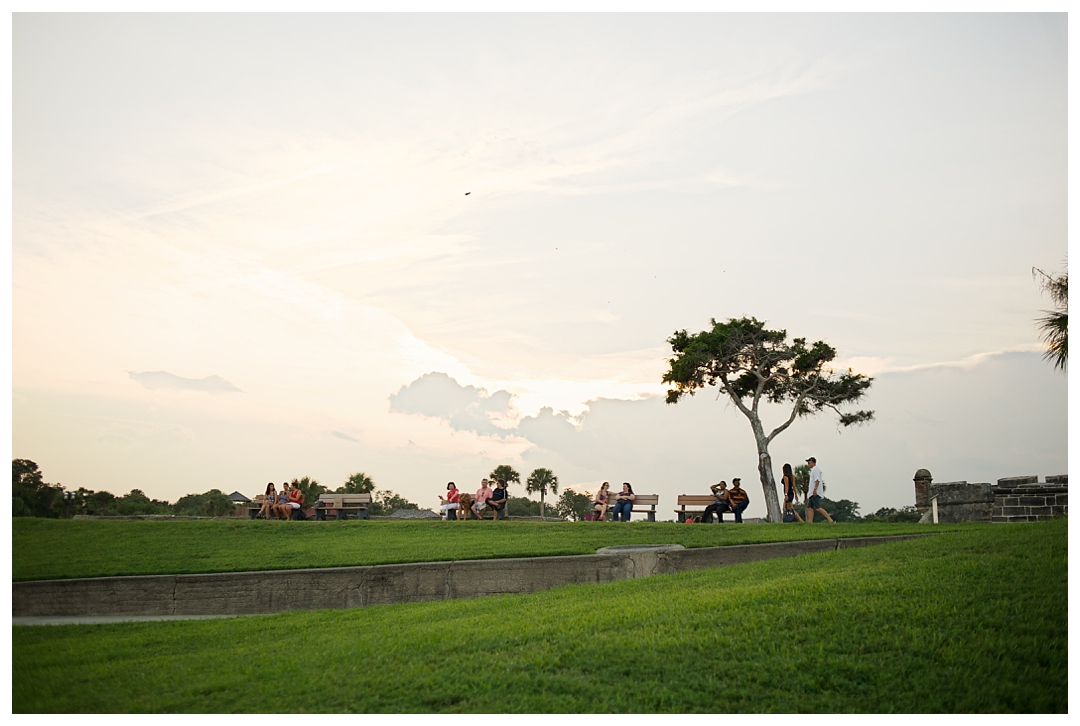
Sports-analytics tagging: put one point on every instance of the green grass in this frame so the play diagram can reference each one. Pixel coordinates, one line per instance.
(975, 621)
(45, 549)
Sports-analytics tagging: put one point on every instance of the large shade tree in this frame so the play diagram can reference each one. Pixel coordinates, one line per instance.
(1054, 324)
(751, 364)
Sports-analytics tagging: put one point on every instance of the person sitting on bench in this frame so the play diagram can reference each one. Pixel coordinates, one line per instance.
(269, 502)
(450, 501)
(738, 498)
(480, 500)
(722, 504)
(296, 501)
(497, 501)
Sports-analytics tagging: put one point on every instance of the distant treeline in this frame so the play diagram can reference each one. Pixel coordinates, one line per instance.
(31, 496)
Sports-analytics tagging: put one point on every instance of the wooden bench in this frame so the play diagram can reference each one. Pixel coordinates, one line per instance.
(698, 502)
(255, 505)
(643, 503)
(341, 505)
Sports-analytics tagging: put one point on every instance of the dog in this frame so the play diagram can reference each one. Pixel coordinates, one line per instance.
(464, 506)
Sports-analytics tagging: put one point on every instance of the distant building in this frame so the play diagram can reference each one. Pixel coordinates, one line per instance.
(238, 498)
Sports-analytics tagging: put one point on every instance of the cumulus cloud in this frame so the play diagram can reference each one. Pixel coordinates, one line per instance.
(156, 380)
(465, 408)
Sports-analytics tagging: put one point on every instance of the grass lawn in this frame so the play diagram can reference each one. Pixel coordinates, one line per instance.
(45, 549)
(975, 621)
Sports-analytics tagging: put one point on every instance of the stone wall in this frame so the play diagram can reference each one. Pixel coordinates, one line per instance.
(1030, 501)
(1014, 499)
(249, 593)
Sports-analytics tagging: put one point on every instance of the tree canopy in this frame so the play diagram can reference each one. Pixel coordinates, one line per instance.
(751, 364)
(358, 483)
(572, 505)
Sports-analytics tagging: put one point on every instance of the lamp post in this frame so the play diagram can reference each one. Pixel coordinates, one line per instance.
(68, 498)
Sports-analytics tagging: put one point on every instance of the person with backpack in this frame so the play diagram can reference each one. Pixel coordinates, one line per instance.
(738, 499)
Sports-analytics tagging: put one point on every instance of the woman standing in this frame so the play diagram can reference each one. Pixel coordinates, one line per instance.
(451, 501)
(624, 503)
(600, 502)
(788, 480)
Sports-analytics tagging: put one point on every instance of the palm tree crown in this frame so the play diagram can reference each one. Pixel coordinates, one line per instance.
(1054, 324)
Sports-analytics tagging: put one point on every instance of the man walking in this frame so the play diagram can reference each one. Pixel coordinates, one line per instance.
(813, 493)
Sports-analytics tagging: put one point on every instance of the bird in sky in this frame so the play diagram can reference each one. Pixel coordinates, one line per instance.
(468, 193)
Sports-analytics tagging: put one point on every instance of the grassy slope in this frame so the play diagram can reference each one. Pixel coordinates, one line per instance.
(47, 549)
(972, 622)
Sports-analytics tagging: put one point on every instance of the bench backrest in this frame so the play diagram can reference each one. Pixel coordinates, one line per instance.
(332, 500)
(696, 500)
(640, 500)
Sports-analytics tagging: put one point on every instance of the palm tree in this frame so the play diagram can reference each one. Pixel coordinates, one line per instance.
(1054, 325)
(543, 481)
(506, 473)
(358, 483)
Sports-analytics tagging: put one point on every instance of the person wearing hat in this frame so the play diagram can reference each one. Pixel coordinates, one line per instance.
(813, 493)
(738, 499)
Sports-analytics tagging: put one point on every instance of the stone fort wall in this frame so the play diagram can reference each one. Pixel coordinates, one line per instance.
(1014, 499)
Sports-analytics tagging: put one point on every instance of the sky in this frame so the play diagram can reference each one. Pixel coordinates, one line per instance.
(252, 247)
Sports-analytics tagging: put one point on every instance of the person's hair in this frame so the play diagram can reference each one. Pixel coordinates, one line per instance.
(605, 484)
(502, 483)
(269, 487)
(451, 485)
(788, 473)
(629, 488)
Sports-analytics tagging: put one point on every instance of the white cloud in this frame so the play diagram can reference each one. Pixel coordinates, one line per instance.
(164, 379)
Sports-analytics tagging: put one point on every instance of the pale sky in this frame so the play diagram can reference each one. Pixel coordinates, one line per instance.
(243, 250)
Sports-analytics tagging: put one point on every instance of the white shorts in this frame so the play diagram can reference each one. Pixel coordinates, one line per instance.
(294, 505)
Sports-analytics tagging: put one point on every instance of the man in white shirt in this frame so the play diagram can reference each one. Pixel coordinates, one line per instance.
(813, 493)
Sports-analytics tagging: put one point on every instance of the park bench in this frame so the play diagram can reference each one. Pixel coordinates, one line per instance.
(643, 503)
(255, 505)
(697, 502)
(341, 505)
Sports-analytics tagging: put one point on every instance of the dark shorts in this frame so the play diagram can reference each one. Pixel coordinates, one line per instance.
(790, 496)
(815, 502)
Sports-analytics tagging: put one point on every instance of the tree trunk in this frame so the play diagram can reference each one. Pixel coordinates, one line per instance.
(765, 471)
(541, 505)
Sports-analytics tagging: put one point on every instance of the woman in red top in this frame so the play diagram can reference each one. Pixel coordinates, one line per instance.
(450, 501)
(296, 500)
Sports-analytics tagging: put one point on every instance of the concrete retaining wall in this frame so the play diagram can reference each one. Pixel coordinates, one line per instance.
(249, 593)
